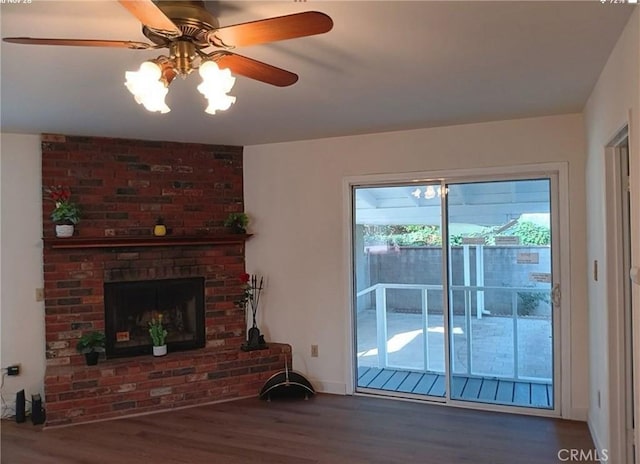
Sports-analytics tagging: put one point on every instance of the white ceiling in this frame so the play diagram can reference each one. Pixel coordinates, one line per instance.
(386, 65)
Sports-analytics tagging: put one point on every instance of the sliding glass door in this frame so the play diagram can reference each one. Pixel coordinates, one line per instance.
(500, 276)
(453, 292)
(398, 275)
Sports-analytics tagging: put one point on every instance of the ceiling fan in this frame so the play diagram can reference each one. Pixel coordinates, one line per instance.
(196, 40)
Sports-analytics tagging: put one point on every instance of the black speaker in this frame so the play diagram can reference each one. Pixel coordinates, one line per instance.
(20, 414)
(38, 414)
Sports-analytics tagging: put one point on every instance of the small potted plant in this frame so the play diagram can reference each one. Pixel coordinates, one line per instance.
(158, 335)
(238, 222)
(91, 345)
(66, 214)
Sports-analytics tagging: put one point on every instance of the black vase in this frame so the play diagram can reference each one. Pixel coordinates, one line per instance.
(91, 358)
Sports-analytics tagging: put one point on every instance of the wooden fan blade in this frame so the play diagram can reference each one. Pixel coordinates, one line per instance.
(151, 16)
(272, 29)
(257, 70)
(79, 42)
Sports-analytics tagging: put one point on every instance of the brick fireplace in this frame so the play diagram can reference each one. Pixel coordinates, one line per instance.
(129, 307)
(122, 187)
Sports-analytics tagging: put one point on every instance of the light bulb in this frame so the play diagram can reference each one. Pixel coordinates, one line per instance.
(153, 100)
(150, 70)
(220, 102)
(147, 88)
(208, 69)
(215, 84)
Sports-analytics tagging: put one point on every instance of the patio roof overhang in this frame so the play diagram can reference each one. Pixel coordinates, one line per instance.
(470, 205)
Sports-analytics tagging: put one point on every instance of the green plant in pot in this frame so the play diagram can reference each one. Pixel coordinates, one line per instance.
(65, 214)
(158, 335)
(238, 222)
(91, 345)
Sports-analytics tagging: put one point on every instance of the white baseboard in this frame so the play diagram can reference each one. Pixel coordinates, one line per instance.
(597, 442)
(579, 414)
(9, 409)
(335, 388)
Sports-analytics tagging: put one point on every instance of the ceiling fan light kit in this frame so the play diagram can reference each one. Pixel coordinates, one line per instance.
(186, 28)
(149, 85)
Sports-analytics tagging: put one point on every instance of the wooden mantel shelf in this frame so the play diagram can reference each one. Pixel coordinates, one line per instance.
(151, 241)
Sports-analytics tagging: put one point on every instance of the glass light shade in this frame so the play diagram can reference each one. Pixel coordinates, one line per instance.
(215, 78)
(215, 84)
(147, 88)
(219, 103)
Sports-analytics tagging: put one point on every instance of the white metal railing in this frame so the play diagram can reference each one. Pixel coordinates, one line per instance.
(380, 290)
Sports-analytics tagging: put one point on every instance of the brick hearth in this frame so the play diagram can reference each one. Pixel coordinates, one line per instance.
(122, 186)
(121, 387)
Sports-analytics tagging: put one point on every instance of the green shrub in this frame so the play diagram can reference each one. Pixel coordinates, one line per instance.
(529, 301)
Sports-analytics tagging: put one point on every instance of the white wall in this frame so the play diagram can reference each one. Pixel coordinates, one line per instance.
(615, 98)
(293, 192)
(21, 317)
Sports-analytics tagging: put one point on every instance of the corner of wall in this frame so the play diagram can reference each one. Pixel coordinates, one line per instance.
(602, 451)
(579, 414)
(334, 388)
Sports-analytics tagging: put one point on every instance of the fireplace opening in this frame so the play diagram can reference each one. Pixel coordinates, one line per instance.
(129, 306)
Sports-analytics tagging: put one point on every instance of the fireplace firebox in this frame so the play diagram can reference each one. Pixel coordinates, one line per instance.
(129, 306)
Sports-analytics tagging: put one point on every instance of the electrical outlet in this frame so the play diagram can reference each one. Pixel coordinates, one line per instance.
(314, 351)
(39, 294)
(13, 370)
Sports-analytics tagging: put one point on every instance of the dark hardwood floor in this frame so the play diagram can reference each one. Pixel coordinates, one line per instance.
(324, 429)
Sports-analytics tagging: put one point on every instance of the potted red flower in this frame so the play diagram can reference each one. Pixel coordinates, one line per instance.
(66, 214)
